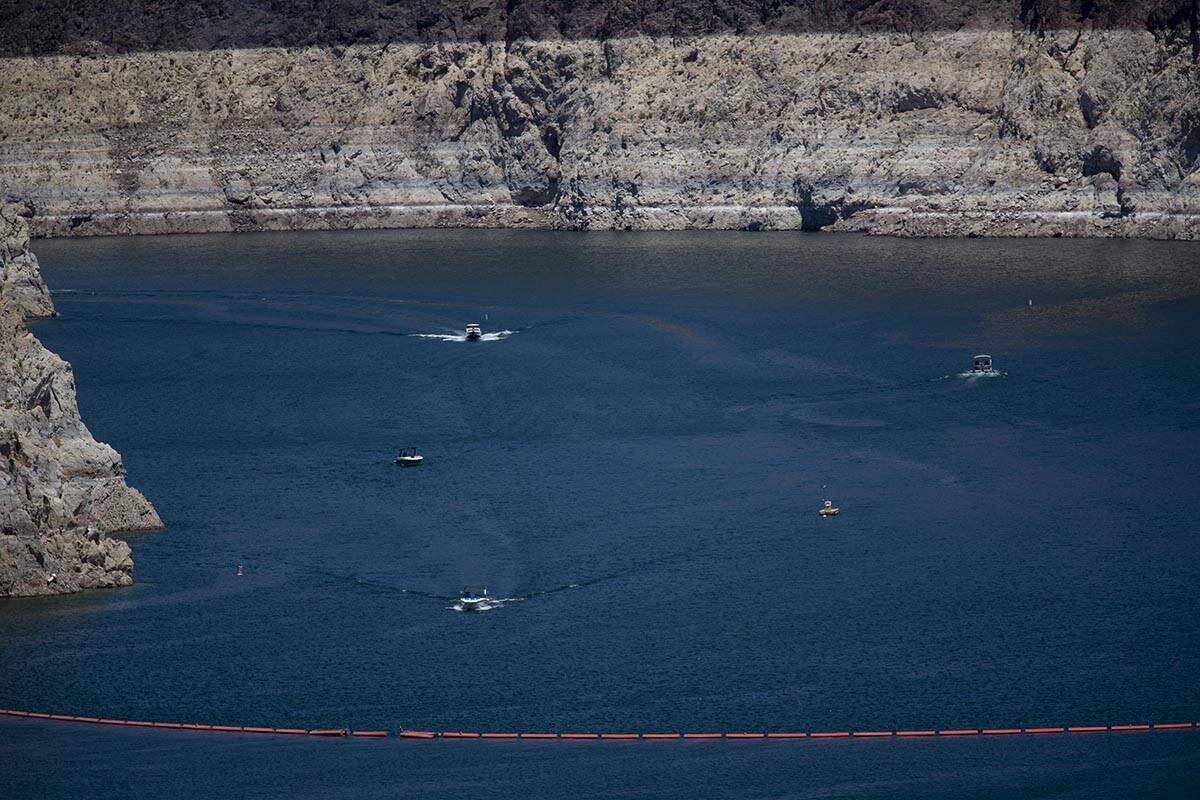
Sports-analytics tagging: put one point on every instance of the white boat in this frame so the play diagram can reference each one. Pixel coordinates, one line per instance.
(982, 365)
(409, 457)
(828, 509)
(474, 332)
(474, 597)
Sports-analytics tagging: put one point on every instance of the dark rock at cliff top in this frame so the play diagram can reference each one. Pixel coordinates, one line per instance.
(43, 27)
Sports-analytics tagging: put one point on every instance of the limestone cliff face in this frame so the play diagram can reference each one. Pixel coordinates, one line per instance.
(60, 489)
(912, 117)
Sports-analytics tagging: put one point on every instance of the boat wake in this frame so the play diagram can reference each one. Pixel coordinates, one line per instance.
(491, 604)
(974, 376)
(494, 336)
(455, 602)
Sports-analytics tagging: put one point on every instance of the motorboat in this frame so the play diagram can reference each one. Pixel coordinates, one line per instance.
(982, 365)
(409, 457)
(828, 509)
(474, 597)
(474, 332)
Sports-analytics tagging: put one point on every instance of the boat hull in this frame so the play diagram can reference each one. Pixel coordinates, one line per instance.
(474, 605)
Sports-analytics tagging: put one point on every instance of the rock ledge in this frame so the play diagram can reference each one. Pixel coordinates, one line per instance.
(61, 491)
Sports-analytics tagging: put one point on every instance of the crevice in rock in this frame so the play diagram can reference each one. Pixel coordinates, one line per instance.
(1101, 160)
(815, 214)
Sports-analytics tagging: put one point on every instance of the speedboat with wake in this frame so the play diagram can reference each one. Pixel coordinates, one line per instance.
(474, 332)
(475, 597)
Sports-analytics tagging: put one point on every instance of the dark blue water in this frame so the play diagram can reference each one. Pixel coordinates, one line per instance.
(641, 462)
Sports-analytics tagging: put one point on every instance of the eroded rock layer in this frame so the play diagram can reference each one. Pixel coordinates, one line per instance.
(61, 491)
(921, 117)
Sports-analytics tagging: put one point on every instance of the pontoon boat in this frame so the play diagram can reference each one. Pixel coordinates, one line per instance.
(983, 365)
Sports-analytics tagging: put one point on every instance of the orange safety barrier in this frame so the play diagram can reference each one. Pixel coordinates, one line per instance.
(1043, 730)
(1130, 727)
(787, 735)
(619, 736)
(538, 735)
(865, 734)
(960, 732)
(1170, 726)
(498, 735)
(999, 731)
(703, 735)
(830, 735)
(662, 736)
(1087, 729)
(415, 734)
(228, 728)
(257, 730)
(369, 734)
(745, 736)
(329, 732)
(579, 736)
(302, 731)
(916, 733)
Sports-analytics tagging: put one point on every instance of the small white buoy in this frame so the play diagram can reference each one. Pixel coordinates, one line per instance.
(52, 577)
(240, 570)
(1031, 302)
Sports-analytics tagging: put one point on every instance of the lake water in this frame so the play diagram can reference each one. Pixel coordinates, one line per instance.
(638, 465)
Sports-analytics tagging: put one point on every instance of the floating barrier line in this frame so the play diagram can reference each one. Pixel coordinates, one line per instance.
(629, 736)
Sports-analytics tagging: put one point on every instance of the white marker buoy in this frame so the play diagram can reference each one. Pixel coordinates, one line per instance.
(239, 572)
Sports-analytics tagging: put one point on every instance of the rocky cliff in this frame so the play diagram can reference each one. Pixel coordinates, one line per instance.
(914, 117)
(60, 489)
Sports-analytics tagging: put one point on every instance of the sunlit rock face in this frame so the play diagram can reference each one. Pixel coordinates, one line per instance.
(921, 117)
(61, 491)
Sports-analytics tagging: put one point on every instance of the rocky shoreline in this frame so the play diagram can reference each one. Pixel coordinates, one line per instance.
(922, 118)
(61, 491)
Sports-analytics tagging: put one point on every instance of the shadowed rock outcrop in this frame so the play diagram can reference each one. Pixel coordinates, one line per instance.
(61, 491)
(907, 117)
